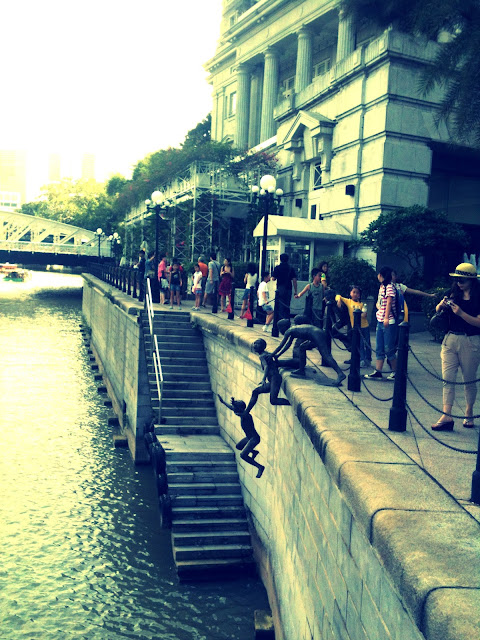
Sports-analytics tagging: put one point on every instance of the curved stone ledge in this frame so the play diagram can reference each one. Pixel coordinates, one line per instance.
(375, 533)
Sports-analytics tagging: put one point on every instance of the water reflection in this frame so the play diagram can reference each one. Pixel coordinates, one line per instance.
(82, 552)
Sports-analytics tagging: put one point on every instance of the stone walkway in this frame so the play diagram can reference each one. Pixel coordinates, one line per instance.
(451, 469)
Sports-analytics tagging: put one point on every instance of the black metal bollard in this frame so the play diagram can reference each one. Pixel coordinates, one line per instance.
(329, 322)
(398, 412)
(134, 284)
(276, 314)
(476, 478)
(353, 382)
(251, 302)
(231, 314)
(215, 297)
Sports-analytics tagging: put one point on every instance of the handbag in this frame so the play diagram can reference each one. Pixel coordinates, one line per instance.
(440, 321)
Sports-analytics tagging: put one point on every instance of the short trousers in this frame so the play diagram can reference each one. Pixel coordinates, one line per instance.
(211, 287)
(267, 308)
(246, 294)
(197, 291)
(175, 287)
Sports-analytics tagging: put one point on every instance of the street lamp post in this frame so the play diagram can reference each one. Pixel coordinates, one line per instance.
(99, 233)
(114, 241)
(269, 196)
(157, 204)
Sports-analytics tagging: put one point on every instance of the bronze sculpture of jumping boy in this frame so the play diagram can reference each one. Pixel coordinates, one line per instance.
(272, 380)
(246, 445)
(316, 337)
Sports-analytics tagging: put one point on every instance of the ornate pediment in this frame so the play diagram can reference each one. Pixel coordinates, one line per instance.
(311, 133)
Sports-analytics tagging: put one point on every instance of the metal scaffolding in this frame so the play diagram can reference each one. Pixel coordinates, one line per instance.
(199, 194)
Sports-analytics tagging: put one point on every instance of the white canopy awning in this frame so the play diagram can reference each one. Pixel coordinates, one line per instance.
(303, 228)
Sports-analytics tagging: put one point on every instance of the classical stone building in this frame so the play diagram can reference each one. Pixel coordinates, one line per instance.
(343, 110)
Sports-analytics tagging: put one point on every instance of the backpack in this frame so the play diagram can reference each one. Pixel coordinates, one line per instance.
(399, 308)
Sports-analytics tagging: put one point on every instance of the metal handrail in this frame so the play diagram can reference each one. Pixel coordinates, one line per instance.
(157, 366)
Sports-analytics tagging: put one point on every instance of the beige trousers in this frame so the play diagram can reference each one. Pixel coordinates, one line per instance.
(463, 352)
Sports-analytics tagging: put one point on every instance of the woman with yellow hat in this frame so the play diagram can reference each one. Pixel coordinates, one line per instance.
(461, 345)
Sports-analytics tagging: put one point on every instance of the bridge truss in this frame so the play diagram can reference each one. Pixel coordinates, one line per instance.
(21, 232)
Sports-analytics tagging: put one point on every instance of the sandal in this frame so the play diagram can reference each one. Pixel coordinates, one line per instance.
(468, 423)
(446, 425)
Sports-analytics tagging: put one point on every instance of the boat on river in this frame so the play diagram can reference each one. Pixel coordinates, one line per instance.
(13, 273)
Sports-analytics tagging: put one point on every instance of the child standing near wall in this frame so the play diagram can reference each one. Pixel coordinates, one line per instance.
(352, 303)
(197, 286)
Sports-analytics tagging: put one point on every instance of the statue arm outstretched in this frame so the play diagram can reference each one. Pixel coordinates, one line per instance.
(283, 346)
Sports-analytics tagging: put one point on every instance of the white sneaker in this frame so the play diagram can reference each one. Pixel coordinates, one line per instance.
(265, 327)
(391, 376)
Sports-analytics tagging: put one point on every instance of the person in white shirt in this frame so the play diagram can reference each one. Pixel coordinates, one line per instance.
(263, 300)
(250, 280)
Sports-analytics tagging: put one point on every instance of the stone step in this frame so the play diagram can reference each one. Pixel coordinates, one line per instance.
(209, 512)
(181, 404)
(188, 466)
(200, 418)
(209, 538)
(205, 500)
(197, 369)
(174, 330)
(187, 395)
(182, 477)
(186, 430)
(181, 359)
(215, 569)
(191, 489)
(212, 551)
(191, 340)
(197, 457)
(181, 375)
(209, 524)
(175, 410)
(185, 349)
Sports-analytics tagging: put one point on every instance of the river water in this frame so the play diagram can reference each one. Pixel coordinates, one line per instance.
(82, 553)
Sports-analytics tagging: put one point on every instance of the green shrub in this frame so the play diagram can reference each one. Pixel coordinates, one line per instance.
(343, 272)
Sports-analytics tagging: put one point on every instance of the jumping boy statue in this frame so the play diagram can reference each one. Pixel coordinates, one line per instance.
(316, 337)
(246, 445)
(272, 379)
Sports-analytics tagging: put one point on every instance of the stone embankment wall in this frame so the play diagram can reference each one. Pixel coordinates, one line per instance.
(117, 343)
(354, 540)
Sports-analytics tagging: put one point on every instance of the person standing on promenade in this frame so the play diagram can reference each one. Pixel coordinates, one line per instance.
(226, 281)
(286, 279)
(461, 344)
(264, 301)
(402, 289)
(211, 288)
(176, 284)
(386, 334)
(323, 268)
(314, 304)
(250, 280)
(204, 271)
(197, 286)
(352, 303)
(141, 275)
(162, 277)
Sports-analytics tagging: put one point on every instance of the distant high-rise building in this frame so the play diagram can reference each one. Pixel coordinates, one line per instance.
(54, 167)
(88, 166)
(13, 173)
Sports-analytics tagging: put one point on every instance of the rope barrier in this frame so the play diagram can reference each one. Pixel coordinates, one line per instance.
(374, 396)
(448, 446)
(434, 375)
(450, 415)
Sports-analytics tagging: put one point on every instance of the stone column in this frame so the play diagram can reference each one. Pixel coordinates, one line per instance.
(269, 98)
(303, 72)
(255, 108)
(214, 115)
(243, 106)
(346, 36)
(220, 114)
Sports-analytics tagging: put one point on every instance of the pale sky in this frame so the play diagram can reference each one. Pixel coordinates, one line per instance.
(116, 78)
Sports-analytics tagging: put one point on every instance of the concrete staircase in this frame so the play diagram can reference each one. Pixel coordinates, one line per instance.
(210, 535)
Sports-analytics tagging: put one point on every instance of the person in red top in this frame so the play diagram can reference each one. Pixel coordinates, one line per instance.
(204, 270)
(386, 334)
(162, 277)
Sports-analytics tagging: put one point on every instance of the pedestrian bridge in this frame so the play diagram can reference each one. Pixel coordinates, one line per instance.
(25, 238)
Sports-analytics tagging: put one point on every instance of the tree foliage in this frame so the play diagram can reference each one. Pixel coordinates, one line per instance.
(83, 203)
(456, 67)
(343, 272)
(412, 234)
